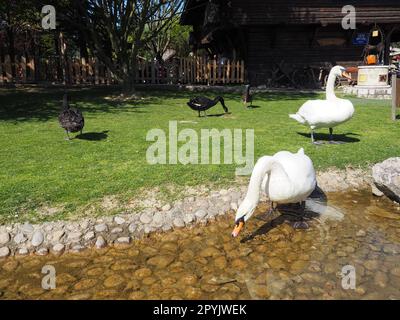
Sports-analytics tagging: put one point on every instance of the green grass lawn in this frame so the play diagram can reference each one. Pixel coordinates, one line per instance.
(39, 168)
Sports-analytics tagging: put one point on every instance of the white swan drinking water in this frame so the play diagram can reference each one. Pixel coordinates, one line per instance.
(327, 113)
(285, 178)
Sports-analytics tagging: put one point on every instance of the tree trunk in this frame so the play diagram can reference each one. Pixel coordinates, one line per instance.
(11, 51)
(129, 79)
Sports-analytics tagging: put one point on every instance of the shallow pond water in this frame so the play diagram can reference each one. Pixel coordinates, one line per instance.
(270, 260)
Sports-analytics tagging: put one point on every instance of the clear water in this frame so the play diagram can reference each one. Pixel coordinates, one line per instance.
(270, 260)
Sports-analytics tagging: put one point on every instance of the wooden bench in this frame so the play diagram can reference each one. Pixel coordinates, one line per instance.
(395, 95)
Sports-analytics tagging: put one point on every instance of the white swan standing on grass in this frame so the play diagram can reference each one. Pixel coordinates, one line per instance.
(327, 113)
(285, 178)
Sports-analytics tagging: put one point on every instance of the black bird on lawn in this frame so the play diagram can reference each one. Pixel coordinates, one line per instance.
(247, 97)
(202, 104)
(71, 119)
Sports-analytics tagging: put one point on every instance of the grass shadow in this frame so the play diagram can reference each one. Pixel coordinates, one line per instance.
(219, 114)
(93, 136)
(336, 137)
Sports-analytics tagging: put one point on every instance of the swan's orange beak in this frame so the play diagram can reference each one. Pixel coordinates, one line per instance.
(239, 226)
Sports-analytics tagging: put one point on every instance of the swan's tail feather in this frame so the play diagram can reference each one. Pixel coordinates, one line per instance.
(298, 118)
(301, 151)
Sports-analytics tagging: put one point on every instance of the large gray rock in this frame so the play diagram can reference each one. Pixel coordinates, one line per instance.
(386, 176)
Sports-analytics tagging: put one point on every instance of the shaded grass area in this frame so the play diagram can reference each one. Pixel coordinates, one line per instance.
(39, 169)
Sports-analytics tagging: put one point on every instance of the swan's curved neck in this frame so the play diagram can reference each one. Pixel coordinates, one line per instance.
(330, 87)
(265, 165)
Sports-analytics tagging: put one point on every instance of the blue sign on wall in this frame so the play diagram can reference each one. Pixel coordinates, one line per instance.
(361, 39)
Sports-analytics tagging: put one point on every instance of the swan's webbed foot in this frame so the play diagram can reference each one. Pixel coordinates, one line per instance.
(300, 225)
(268, 214)
(313, 141)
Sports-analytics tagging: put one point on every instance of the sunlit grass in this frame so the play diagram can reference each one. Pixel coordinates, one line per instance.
(38, 167)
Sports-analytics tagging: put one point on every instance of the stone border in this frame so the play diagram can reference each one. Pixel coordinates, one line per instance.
(74, 236)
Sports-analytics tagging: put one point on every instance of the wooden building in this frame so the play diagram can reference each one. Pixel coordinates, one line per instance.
(290, 34)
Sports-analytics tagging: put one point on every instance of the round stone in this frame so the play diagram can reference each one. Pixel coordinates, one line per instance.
(116, 230)
(143, 273)
(161, 261)
(137, 295)
(20, 238)
(26, 228)
(179, 223)
(58, 248)
(166, 227)
(132, 227)
(77, 248)
(85, 284)
(89, 236)
(200, 214)
(23, 251)
(209, 252)
(167, 207)
(361, 233)
(123, 240)
(158, 219)
(276, 263)
(381, 279)
(371, 264)
(113, 281)
(146, 217)
(101, 227)
(188, 218)
(119, 220)
(4, 238)
(100, 242)
(4, 252)
(221, 262)
(74, 236)
(42, 251)
(234, 206)
(37, 238)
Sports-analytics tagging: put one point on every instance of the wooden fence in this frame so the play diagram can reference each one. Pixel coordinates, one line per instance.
(194, 70)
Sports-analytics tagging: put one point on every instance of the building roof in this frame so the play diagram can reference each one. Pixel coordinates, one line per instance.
(264, 12)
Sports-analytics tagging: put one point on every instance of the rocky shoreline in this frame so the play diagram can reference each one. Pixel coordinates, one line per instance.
(200, 206)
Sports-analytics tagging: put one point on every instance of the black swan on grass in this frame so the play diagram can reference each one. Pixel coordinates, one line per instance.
(70, 119)
(247, 97)
(202, 104)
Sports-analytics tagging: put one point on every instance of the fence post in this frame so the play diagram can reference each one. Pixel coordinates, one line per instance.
(153, 72)
(23, 67)
(7, 68)
(395, 95)
(242, 71)
(84, 70)
(1, 71)
(96, 71)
